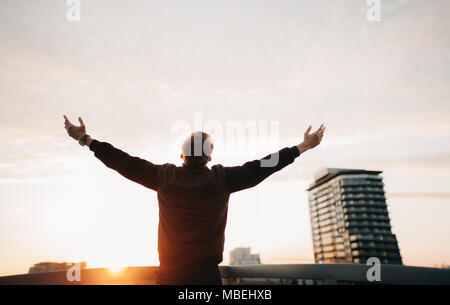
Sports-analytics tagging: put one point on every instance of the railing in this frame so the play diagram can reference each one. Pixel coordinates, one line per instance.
(288, 273)
(348, 273)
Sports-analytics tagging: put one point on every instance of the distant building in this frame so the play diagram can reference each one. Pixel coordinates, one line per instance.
(349, 217)
(242, 256)
(52, 266)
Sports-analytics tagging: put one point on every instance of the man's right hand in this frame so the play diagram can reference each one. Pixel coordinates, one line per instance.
(75, 132)
(311, 140)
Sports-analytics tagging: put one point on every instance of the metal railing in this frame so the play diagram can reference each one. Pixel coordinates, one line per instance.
(327, 273)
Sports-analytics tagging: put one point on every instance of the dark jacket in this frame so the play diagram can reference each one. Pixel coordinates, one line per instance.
(193, 202)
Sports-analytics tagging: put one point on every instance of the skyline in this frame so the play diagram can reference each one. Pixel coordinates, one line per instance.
(131, 71)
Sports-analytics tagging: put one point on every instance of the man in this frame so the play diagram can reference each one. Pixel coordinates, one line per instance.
(193, 199)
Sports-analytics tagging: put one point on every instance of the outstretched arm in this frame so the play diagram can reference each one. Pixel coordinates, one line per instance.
(252, 173)
(133, 168)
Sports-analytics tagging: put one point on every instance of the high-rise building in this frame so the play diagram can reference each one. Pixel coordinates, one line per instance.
(349, 217)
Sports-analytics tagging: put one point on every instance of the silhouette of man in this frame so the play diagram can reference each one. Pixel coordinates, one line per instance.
(193, 199)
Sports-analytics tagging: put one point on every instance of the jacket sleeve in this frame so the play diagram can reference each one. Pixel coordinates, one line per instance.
(133, 168)
(252, 173)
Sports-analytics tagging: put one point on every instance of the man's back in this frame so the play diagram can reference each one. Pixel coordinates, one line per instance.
(193, 205)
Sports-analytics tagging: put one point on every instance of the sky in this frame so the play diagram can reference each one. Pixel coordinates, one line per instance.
(133, 70)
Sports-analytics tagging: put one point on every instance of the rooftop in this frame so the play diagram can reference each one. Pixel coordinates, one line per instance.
(325, 174)
(287, 273)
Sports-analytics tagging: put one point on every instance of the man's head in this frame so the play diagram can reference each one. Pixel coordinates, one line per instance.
(197, 149)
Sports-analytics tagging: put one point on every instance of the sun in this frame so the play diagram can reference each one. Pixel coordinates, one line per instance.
(116, 268)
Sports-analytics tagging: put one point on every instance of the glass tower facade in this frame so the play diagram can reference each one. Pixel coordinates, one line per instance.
(349, 218)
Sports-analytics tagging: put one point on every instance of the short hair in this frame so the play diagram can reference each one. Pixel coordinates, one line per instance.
(197, 148)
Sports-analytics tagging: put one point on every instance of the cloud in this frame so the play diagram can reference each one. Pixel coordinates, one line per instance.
(426, 196)
(31, 157)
